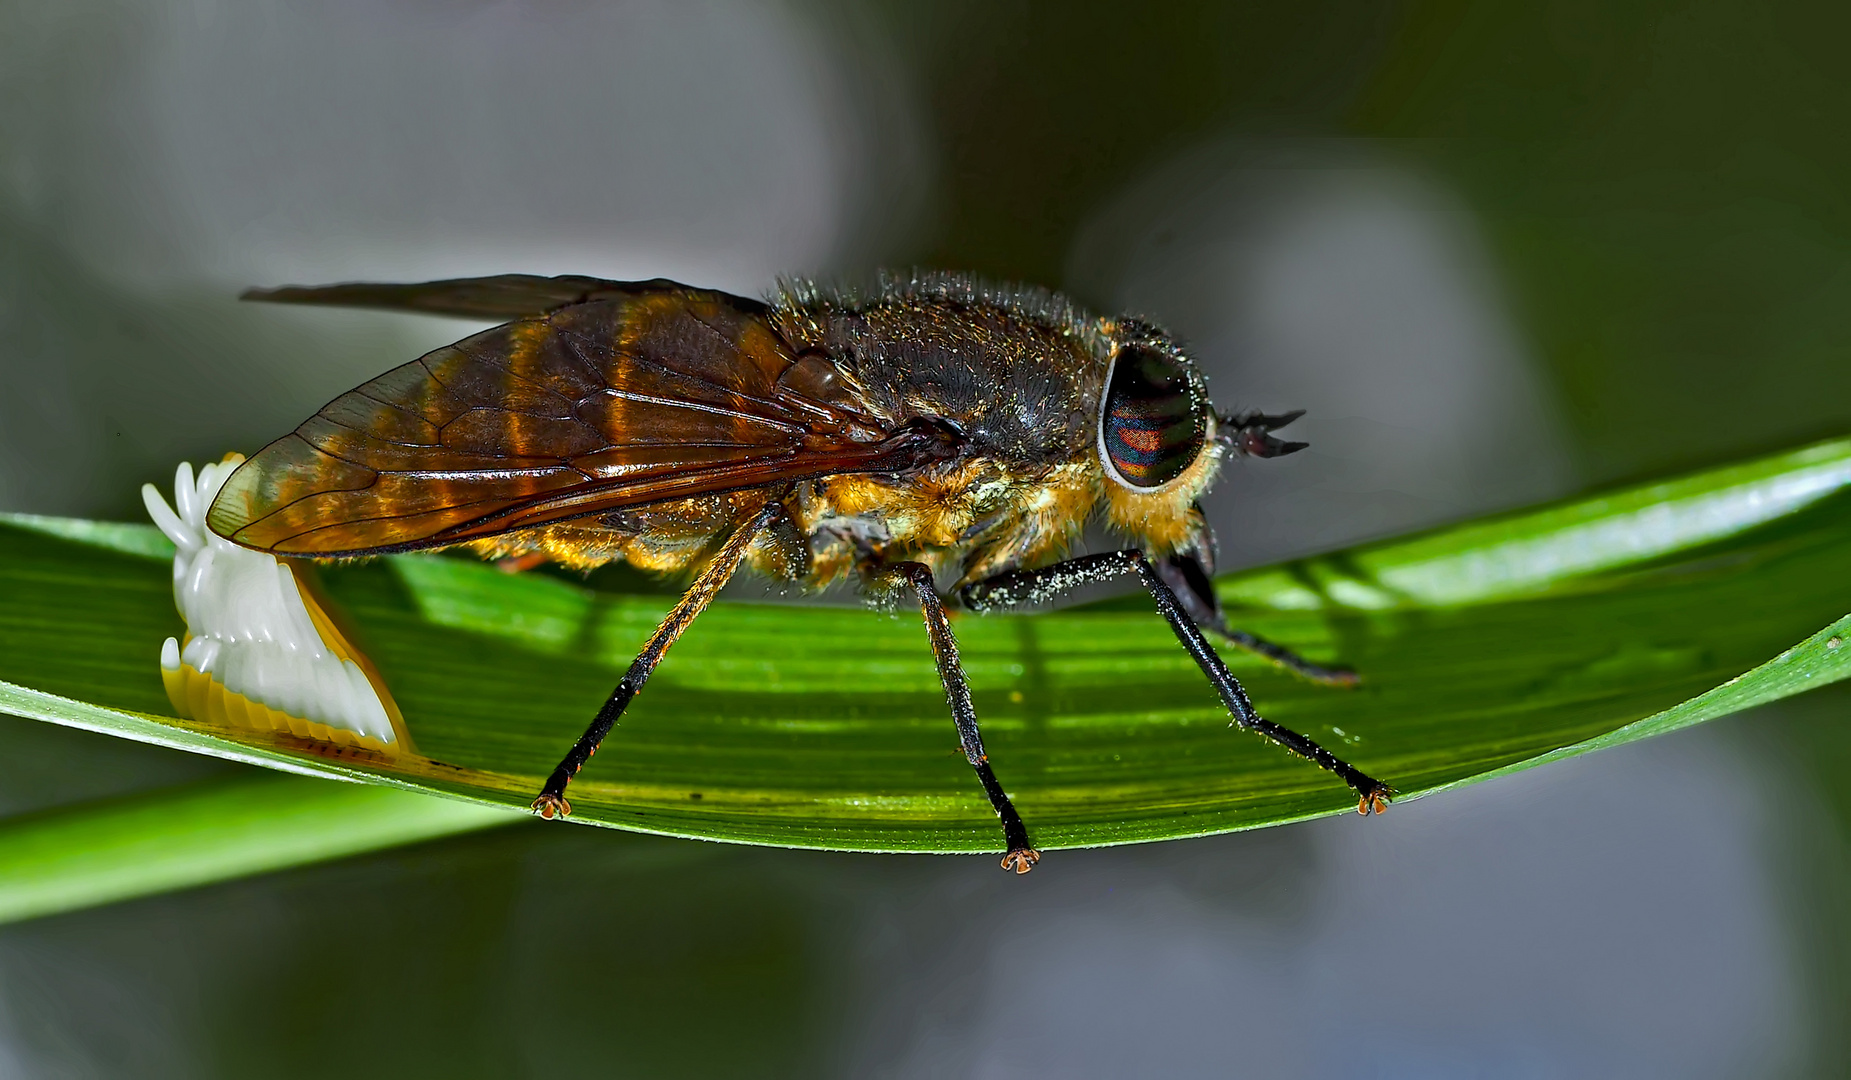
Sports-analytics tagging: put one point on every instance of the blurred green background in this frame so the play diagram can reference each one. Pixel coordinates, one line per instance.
(1502, 252)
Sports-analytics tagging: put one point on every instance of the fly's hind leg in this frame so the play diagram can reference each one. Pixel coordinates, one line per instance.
(552, 799)
(1039, 586)
(1020, 857)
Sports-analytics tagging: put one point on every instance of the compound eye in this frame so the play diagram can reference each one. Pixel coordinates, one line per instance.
(1154, 422)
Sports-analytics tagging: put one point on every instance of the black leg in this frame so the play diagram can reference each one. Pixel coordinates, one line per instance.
(1039, 586)
(1190, 581)
(1286, 658)
(552, 800)
(1021, 857)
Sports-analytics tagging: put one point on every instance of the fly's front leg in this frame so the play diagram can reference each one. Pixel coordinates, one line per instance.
(1190, 582)
(552, 799)
(1021, 857)
(1039, 586)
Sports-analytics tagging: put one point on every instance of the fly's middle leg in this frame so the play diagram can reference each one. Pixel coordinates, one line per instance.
(917, 576)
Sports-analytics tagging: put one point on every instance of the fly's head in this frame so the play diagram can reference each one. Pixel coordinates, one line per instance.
(1161, 443)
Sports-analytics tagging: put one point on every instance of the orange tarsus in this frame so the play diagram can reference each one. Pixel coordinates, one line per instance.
(1021, 860)
(551, 806)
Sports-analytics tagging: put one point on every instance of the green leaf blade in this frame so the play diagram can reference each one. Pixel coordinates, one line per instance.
(1485, 648)
(209, 832)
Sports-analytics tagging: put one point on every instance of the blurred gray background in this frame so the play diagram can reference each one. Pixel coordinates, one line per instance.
(1498, 255)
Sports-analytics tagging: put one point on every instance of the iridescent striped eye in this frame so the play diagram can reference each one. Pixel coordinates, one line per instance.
(1155, 420)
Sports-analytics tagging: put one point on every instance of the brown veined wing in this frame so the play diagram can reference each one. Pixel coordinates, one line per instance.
(635, 394)
(492, 299)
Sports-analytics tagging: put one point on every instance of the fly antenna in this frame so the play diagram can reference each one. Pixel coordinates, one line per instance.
(1251, 434)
